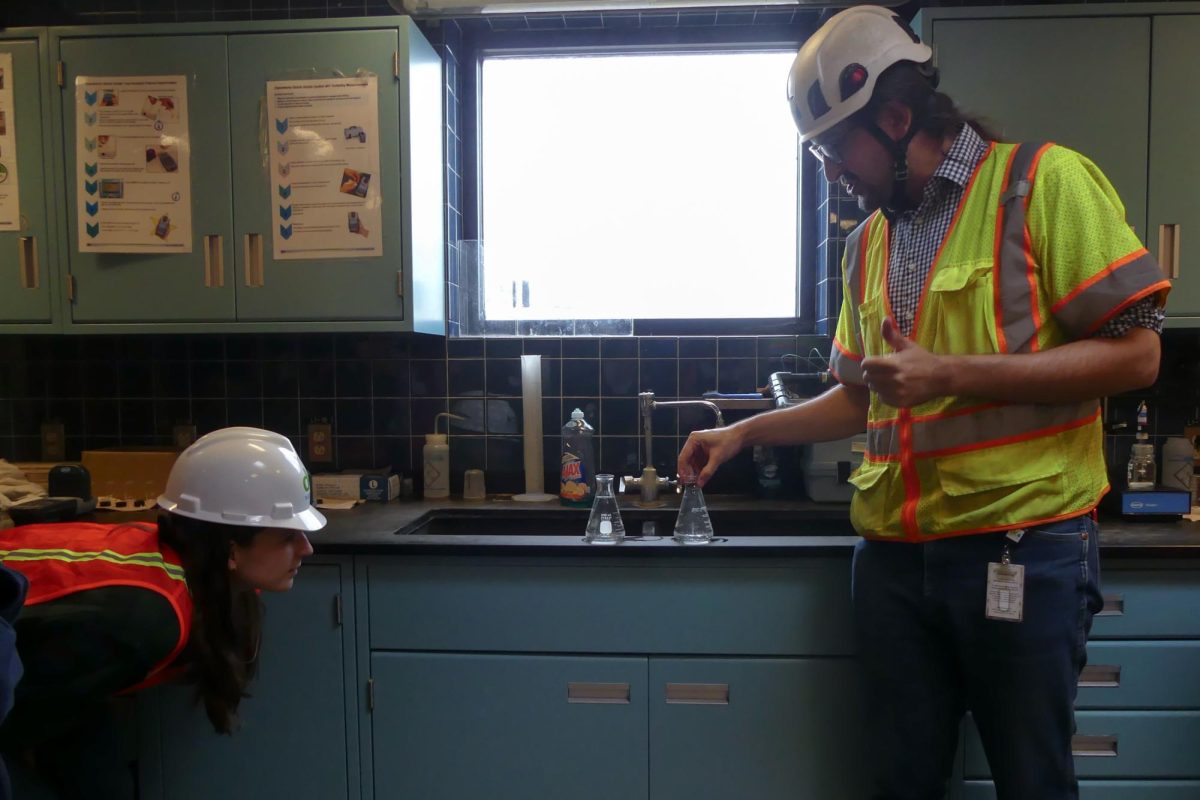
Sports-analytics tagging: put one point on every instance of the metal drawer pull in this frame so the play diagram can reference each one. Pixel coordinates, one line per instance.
(597, 692)
(1168, 249)
(1094, 746)
(1101, 676)
(706, 694)
(28, 262)
(1114, 606)
(214, 262)
(253, 247)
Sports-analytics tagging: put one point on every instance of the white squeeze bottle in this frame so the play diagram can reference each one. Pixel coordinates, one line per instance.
(435, 457)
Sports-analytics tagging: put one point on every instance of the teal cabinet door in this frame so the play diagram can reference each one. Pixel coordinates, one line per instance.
(1174, 168)
(319, 289)
(172, 287)
(27, 278)
(1057, 80)
(1119, 744)
(293, 740)
(1107, 790)
(463, 726)
(770, 729)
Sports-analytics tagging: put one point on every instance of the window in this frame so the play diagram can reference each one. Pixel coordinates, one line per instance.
(645, 185)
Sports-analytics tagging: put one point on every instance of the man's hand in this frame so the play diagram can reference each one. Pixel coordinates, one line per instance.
(908, 377)
(704, 451)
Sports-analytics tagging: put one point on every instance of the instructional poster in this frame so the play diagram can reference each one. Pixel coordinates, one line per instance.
(324, 143)
(132, 164)
(10, 198)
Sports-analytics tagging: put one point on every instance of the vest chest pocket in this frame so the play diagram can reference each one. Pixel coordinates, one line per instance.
(959, 314)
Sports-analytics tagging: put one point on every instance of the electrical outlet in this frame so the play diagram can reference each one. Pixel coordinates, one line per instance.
(320, 443)
(54, 442)
(183, 436)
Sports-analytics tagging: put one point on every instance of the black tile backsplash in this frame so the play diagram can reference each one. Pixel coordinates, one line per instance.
(380, 405)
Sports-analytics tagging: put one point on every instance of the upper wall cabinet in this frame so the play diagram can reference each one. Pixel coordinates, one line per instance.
(1089, 82)
(282, 176)
(27, 280)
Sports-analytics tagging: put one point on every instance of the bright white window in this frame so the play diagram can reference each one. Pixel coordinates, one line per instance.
(638, 186)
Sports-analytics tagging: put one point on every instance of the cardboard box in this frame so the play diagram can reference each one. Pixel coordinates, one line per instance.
(129, 473)
(377, 487)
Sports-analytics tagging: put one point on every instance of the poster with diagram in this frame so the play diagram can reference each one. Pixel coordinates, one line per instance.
(10, 197)
(132, 164)
(324, 143)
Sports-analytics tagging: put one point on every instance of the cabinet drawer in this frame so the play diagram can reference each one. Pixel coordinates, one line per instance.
(1106, 790)
(1140, 674)
(502, 604)
(1146, 744)
(1149, 605)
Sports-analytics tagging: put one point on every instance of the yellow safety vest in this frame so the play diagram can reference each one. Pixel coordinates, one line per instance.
(1025, 266)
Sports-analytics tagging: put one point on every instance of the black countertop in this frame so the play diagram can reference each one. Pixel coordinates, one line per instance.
(382, 528)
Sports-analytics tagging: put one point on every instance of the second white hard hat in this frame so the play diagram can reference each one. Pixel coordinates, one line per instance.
(835, 71)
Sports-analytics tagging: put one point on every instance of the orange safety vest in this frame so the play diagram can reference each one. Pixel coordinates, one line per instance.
(60, 559)
(1038, 255)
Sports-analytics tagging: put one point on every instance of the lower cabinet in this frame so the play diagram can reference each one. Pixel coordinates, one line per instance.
(451, 726)
(1138, 708)
(769, 729)
(672, 679)
(297, 725)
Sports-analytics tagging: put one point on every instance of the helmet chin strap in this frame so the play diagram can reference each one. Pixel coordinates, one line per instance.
(899, 201)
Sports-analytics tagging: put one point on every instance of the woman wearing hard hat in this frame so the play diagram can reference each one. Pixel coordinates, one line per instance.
(115, 608)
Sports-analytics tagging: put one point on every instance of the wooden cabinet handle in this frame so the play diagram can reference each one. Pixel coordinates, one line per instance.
(253, 249)
(584, 692)
(27, 261)
(703, 694)
(1103, 746)
(1114, 606)
(214, 262)
(1168, 249)
(1100, 676)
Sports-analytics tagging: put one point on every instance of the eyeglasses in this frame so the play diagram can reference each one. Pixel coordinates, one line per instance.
(831, 150)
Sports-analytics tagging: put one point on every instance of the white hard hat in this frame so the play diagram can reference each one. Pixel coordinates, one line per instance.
(242, 476)
(835, 71)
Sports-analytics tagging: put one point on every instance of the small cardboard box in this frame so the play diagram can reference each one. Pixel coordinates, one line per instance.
(129, 473)
(377, 487)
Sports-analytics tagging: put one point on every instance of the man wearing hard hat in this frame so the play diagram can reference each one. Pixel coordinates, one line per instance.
(993, 294)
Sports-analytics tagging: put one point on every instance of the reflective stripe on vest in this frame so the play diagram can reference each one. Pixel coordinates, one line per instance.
(62, 559)
(847, 366)
(976, 427)
(1017, 319)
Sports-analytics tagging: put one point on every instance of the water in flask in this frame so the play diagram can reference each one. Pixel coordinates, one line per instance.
(604, 524)
(693, 525)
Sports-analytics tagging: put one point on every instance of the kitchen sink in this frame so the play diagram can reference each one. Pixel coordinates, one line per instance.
(571, 522)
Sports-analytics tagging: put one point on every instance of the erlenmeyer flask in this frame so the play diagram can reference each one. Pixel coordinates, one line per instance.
(604, 524)
(693, 526)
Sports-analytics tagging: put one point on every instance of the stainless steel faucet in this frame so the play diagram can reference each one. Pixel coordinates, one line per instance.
(649, 482)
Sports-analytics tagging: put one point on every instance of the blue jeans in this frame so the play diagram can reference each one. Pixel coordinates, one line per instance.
(929, 654)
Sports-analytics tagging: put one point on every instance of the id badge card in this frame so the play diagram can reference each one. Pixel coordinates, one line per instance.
(1006, 592)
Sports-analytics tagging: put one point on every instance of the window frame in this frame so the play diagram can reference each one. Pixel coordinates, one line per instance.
(481, 40)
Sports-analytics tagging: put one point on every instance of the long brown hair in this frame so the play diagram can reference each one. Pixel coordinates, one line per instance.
(935, 113)
(221, 655)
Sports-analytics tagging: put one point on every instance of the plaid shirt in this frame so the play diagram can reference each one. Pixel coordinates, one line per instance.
(917, 234)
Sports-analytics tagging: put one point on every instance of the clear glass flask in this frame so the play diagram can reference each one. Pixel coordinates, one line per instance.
(692, 526)
(604, 524)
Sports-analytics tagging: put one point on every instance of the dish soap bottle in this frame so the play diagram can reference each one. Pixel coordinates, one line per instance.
(577, 482)
(435, 457)
(1140, 473)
